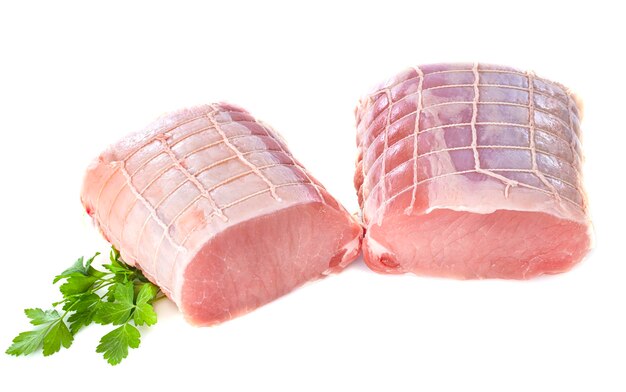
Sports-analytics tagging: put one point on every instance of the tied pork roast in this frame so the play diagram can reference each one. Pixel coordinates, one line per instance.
(471, 171)
(210, 204)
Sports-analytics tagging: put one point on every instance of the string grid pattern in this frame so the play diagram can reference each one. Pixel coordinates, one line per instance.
(375, 119)
(227, 139)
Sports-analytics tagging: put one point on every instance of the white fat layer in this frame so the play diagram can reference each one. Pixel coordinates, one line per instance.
(350, 249)
(549, 208)
(459, 193)
(376, 247)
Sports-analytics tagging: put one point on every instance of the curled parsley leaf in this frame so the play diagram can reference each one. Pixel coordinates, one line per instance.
(121, 295)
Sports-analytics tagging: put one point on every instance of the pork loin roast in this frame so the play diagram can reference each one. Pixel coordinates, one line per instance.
(210, 204)
(471, 171)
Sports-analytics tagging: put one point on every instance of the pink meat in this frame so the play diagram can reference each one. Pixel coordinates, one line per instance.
(215, 210)
(471, 171)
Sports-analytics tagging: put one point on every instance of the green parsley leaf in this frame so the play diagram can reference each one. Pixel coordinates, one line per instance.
(124, 293)
(85, 311)
(80, 267)
(115, 313)
(118, 267)
(77, 267)
(114, 255)
(77, 284)
(114, 345)
(26, 343)
(51, 336)
(144, 312)
(147, 293)
(39, 317)
(110, 293)
(118, 311)
(58, 335)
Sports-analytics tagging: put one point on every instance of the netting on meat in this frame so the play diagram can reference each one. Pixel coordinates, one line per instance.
(514, 127)
(169, 164)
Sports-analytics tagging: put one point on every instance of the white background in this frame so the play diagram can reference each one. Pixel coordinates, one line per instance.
(76, 77)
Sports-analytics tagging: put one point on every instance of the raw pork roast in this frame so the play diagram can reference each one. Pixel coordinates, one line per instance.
(471, 171)
(214, 209)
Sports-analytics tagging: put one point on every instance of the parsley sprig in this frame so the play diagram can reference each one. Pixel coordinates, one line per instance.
(120, 295)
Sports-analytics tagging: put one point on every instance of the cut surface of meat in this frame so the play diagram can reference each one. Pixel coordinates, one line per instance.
(210, 204)
(471, 171)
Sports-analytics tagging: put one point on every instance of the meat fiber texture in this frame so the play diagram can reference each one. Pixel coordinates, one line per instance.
(471, 171)
(210, 204)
